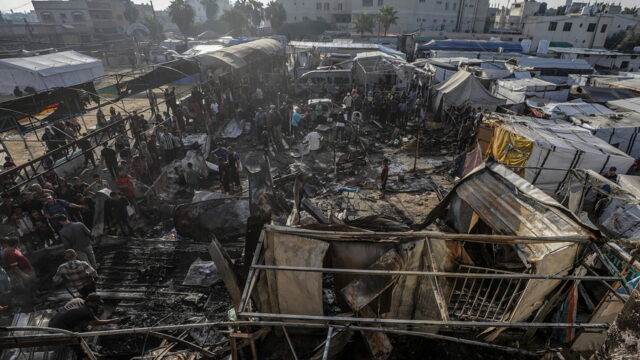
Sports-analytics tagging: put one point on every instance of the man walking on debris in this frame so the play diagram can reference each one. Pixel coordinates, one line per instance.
(109, 157)
(76, 236)
(85, 145)
(21, 273)
(118, 214)
(77, 274)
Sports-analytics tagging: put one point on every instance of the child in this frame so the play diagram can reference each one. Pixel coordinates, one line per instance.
(192, 178)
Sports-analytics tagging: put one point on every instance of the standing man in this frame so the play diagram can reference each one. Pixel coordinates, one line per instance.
(76, 236)
(110, 157)
(77, 274)
(21, 274)
(85, 145)
(53, 207)
(384, 176)
(233, 168)
(347, 101)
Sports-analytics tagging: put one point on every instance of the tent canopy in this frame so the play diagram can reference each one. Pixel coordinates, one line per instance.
(49, 71)
(465, 89)
(602, 95)
(559, 110)
(630, 104)
(239, 56)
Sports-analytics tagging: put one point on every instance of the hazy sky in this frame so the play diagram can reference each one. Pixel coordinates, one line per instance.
(22, 5)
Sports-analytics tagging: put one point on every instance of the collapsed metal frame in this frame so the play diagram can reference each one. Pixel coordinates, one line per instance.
(396, 326)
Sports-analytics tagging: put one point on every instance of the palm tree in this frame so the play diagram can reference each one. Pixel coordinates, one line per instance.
(364, 23)
(276, 14)
(210, 8)
(182, 15)
(252, 10)
(155, 27)
(387, 17)
(236, 20)
(130, 13)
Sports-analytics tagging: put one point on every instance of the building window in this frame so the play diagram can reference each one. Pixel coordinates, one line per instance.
(63, 17)
(339, 6)
(305, 18)
(47, 17)
(380, 2)
(580, 25)
(470, 5)
(435, 20)
(567, 26)
(367, 2)
(318, 6)
(552, 26)
(603, 28)
(326, 6)
(422, 1)
(591, 27)
(455, 5)
(78, 17)
(446, 5)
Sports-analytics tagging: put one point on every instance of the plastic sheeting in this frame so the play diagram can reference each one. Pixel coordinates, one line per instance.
(464, 89)
(546, 147)
(562, 110)
(49, 71)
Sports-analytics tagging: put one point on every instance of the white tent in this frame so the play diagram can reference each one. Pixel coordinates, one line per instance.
(631, 104)
(49, 71)
(464, 89)
(562, 110)
(620, 130)
(515, 91)
(544, 148)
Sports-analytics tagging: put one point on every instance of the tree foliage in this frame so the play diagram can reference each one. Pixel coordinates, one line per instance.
(253, 11)
(630, 11)
(364, 23)
(182, 15)
(276, 14)
(210, 8)
(236, 20)
(388, 16)
(130, 13)
(155, 27)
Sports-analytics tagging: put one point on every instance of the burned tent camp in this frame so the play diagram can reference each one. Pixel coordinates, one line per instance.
(318, 200)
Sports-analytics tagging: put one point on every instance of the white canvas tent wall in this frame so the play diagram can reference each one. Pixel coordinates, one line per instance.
(554, 147)
(49, 71)
(515, 91)
(464, 89)
(620, 130)
(631, 104)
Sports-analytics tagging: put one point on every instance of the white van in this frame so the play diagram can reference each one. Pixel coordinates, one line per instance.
(325, 81)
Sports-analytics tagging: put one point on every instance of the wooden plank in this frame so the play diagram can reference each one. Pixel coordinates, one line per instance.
(224, 266)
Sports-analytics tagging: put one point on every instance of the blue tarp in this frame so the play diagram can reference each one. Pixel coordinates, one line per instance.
(471, 45)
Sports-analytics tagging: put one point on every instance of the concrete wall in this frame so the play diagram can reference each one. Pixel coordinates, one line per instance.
(584, 31)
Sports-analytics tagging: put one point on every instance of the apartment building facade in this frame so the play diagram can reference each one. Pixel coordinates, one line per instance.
(512, 18)
(413, 15)
(88, 19)
(581, 31)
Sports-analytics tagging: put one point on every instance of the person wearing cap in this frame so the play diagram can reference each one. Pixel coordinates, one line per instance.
(76, 236)
(77, 274)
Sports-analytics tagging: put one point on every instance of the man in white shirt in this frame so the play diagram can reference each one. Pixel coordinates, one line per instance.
(313, 140)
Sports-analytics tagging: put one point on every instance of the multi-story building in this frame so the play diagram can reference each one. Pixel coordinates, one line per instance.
(337, 12)
(581, 31)
(413, 15)
(512, 18)
(67, 20)
(88, 19)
